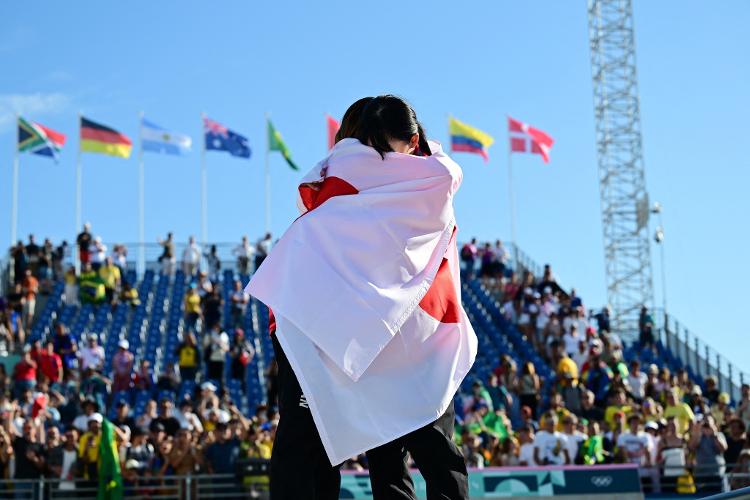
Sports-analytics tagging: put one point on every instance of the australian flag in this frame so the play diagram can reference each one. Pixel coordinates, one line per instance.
(220, 138)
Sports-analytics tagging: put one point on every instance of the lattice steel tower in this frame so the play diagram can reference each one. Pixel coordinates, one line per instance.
(622, 184)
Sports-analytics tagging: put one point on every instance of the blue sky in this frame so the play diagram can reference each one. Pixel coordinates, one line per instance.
(299, 60)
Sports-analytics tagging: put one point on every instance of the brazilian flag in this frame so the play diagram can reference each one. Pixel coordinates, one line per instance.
(276, 143)
(110, 476)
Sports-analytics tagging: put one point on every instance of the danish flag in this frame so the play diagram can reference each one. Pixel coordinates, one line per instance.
(526, 139)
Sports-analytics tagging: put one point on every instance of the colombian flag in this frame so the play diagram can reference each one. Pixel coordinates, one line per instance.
(97, 138)
(467, 139)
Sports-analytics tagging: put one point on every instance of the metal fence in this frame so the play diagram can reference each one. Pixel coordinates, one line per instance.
(253, 483)
(151, 253)
(215, 486)
(699, 356)
(686, 479)
(518, 259)
(741, 493)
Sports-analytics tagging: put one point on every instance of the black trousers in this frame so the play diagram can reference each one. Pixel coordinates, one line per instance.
(300, 468)
(436, 455)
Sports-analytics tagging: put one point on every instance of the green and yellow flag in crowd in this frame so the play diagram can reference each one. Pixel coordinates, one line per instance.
(110, 476)
(276, 143)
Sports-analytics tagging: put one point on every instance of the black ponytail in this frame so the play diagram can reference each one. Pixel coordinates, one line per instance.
(424, 147)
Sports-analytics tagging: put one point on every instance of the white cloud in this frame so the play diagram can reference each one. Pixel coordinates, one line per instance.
(30, 104)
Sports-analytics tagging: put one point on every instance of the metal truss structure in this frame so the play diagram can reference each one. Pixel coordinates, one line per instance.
(622, 184)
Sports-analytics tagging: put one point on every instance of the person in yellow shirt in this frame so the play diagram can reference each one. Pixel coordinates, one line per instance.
(556, 406)
(110, 275)
(193, 310)
(720, 409)
(71, 286)
(188, 357)
(255, 447)
(618, 403)
(88, 447)
(256, 442)
(567, 366)
(652, 411)
(683, 415)
(129, 295)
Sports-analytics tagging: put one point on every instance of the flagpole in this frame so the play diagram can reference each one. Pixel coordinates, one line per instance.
(141, 268)
(448, 141)
(14, 207)
(77, 259)
(268, 178)
(511, 199)
(204, 190)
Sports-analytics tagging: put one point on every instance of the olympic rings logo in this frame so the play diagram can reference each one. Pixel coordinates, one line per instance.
(601, 481)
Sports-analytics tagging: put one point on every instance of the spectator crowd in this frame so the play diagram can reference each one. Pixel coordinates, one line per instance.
(56, 397)
(102, 275)
(601, 405)
(597, 407)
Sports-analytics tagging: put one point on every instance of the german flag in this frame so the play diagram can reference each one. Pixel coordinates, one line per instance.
(97, 138)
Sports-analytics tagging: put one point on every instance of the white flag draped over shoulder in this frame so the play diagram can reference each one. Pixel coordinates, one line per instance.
(366, 294)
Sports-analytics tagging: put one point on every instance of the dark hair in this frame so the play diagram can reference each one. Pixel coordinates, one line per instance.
(350, 121)
(389, 117)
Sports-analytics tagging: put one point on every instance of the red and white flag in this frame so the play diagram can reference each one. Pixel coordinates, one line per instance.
(333, 127)
(526, 139)
(365, 290)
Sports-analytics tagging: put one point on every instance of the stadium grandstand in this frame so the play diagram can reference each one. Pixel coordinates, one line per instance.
(180, 360)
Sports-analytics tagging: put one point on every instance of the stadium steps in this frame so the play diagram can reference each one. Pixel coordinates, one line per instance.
(497, 336)
(155, 338)
(41, 302)
(257, 393)
(138, 318)
(113, 331)
(175, 321)
(47, 313)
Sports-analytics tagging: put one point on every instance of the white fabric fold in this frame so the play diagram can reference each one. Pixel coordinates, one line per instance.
(345, 284)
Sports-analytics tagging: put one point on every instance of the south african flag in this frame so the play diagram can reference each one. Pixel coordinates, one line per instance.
(38, 139)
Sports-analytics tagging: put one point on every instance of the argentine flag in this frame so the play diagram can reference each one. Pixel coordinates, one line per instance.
(159, 140)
